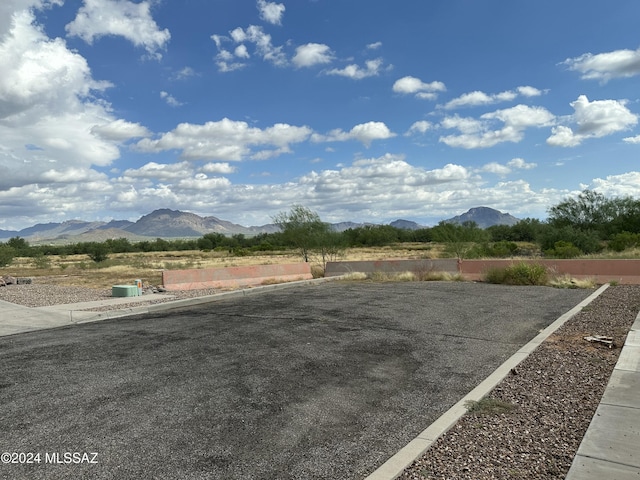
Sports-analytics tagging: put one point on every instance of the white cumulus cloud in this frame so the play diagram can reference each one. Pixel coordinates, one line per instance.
(521, 164)
(415, 86)
(419, 127)
(225, 140)
(312, 54)
(133, 21)
(271, 12)
(605, 66)
(48, 109)
(478, 98)
(372, 69)
(481, 133)
(623, 185)
(120, 130)
(365, 133)
(593, 120)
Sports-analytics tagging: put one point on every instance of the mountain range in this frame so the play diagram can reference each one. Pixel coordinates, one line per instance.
(165, 223)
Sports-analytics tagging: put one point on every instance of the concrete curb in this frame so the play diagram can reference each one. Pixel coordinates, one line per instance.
(609, 448)
(394, 467)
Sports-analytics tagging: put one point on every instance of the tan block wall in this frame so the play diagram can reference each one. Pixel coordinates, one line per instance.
(193, 279)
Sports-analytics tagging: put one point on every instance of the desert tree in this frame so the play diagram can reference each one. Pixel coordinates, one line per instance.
(302, 228)
(459, 238)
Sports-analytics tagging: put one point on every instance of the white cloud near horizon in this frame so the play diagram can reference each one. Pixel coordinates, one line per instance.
(133, 21)
(593, 120)
(623, 185)
(606, 66)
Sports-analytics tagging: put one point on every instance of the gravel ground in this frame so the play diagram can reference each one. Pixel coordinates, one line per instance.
(43, 295)
(554, 394)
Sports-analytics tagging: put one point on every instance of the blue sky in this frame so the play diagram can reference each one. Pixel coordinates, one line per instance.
(358, 110)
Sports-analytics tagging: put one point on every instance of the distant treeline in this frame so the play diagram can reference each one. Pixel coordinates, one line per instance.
(587, 224)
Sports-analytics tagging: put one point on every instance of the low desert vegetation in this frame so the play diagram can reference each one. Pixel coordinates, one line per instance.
(566, 281)
(589, 226)
(519, 274)
(488, 406)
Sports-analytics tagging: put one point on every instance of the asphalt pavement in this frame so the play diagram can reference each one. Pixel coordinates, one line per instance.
(311, 381)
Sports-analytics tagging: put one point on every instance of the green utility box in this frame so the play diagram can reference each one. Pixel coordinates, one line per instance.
(124, 291)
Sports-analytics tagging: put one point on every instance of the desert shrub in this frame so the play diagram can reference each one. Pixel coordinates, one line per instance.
(97, 252)
(623, 241)
(518, 274)
(7, 255)
(499, 249)
(562, 249)
(317, 271)
(587, 241)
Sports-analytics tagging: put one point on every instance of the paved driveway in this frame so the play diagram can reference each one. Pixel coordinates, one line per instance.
(316, 381)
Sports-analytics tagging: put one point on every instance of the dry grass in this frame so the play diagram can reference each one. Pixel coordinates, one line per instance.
(124, 268)
(403, 277)
(567, 281)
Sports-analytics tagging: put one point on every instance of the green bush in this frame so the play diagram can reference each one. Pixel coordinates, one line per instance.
(563, 249)
(41, 261)
(97, 252)
(623, 241)
(518, 274)
(499, 249)
(7, 255)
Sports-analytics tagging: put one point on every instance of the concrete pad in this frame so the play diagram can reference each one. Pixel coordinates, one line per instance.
(584, 468)
(623, 389)
(613, 436)
(16, 318)
(629, 359)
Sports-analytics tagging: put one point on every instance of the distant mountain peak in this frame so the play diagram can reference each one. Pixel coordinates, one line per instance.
(484, 217)
(405, 224)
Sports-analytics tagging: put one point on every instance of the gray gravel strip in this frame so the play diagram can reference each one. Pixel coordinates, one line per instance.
(41, 295)
(554, 394)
